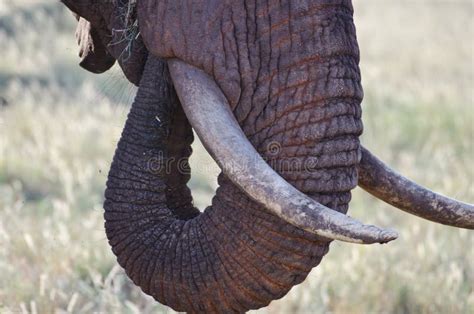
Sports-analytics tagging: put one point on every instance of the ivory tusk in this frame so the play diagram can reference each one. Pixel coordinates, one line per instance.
(384, 183)
(209, 113)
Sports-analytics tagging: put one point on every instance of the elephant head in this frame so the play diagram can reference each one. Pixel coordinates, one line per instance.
(273, 90)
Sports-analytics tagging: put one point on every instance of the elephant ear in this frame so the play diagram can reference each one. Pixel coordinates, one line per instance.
(95, 57)
(105, 35)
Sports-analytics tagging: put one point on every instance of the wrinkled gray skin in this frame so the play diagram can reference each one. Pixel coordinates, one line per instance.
(289, 70)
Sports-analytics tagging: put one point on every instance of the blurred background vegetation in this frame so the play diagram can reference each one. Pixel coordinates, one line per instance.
(59, 126)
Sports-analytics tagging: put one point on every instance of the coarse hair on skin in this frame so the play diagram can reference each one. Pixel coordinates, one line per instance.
(129, 32)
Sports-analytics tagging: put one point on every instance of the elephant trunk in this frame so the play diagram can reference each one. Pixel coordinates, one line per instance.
(234, 256)
(300, 111)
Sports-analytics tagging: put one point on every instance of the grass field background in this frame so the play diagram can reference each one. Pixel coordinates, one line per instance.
(59, 126)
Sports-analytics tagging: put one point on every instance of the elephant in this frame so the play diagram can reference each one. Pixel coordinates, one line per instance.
(273, 90)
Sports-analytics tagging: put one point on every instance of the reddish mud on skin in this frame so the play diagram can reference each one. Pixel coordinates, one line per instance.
(292, 78)
(290, 73)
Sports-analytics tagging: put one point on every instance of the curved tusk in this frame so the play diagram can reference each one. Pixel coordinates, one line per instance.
(209, 113)
(379, 180)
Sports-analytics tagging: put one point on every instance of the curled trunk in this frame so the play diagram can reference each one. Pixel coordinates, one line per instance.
(298, 105)
(234, 256)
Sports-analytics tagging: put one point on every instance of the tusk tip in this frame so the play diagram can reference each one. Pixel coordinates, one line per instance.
(387, 236)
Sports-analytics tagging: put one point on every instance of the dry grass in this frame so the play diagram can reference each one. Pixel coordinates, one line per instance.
(58, 134)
